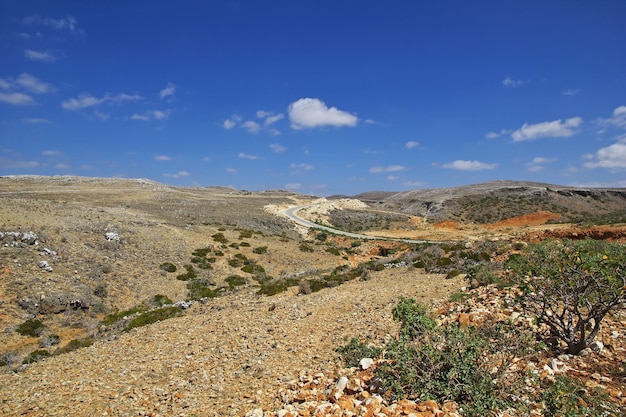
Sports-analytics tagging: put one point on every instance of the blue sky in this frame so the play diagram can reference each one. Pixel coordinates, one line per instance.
(322, 97)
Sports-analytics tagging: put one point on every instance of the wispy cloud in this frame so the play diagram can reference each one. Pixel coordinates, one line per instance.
(51, 153)
(179, 174)
(307, 113)
(277, 148)
(151, 115)
(610, 157)
(63, 166)
(168, 91)
(33, 84)
(618, 119)
(411, 144)
(247, 156)
(293, 186)
(538, 163)
(413, 183)
(17, 99)
(494, 135)
(68, 23)
(271, 119)
(301, 167)
(36, 120)
(390, 168)
(512, 83)
(12, 163)
(231, 122)
(87, 100)
(162, 158)
(570, 92)
(39, 55)
(462, 165)
(554, 129)
(251, 126)
(232, 170)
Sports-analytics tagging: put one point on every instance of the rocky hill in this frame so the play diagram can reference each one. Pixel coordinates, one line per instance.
(130, 297)
(496, 201)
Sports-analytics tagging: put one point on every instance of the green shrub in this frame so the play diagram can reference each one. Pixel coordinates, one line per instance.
(321, 236)
(115, 317)
(31, 328)
(74, 344)
(245, 234)
(355, 350)
(252, 268)
(154, 316)
(168, 267)
(333, 251)
(235, 281)
(244, 244)
(568, 398)
(100, 291)
(483, 274)
(306, 248)
(160, 300)
(189, 275)
(35, 356)
(273, 287)
(260, 250)
(571, 286)
(199, 288)
(219, 237)
(413, 318)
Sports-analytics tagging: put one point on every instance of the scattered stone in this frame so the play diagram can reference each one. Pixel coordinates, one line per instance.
(366, 363)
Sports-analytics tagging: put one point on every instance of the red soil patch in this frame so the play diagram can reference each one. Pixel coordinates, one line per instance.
(531, 219)
(448, 224)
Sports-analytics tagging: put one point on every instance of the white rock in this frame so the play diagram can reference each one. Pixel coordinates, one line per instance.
(596, 346)
(366, 363)
(257, 412)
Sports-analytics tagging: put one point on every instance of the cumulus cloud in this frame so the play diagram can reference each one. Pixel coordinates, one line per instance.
(168, 91)
(610, 157)
(17, 89)
(251, 126)
(87, 100)
(308, 113)
(247, 156)
(411, 144)
(510, 82)
(390, 168)
(462, 165)
(39, 56)
(277, 148)
(179, 174)
(554, 129)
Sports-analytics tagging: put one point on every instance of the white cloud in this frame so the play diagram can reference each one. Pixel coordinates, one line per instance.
(277, 148)
(51, 153)
(247, 156)
(162, 158)
(302, 166)
(231, 122)
(168, 91)
(262, 114)
(618, 119)
(610, 157)
(312, 112)
(552, 129)
(537, 164)
(232, 170)
(101, 115)
(274, 132)
(571, 92)
(411, 144)
(87, 100)
(273, 119)
(390, 168)
(179, 174)
(392, 177)
(12, 163)
(251, 126)
(152, 115)
(39, 55)
(370, 121)
(68, 23)
(510, 82)
(469, 165)
(35, 120)
(33, 84)
(17, 99)
(494, 135)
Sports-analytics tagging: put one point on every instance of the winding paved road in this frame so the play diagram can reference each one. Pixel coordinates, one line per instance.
(291, 214)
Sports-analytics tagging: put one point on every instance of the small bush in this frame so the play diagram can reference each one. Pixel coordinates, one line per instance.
(35, 356)
(168, 267)
(189, 275)
(252, 268)
(355, 350)
(273, 287)
(567, 397)
(260, 250)
(571, 286)
(306, 248)
(235, 281)
(100, 291)
(154, 316)
(30, 328)
(160, 300)
(199, 288)
(244, 244)
(333, 251)
(219, 237)
(74, 344)
(115, 317)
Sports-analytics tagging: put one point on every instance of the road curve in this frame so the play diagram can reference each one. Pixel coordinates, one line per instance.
(292, 214)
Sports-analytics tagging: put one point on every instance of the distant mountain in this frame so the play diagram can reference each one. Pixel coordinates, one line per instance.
(499, 200)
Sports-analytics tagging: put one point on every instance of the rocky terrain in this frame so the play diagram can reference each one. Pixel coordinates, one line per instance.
(83, 258)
